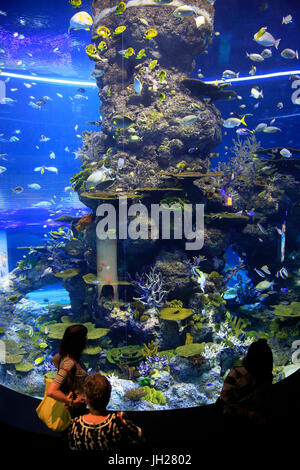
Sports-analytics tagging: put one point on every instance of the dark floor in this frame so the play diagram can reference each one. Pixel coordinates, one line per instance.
(199, 432)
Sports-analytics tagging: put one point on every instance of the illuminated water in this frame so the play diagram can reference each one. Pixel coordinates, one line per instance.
(49, 62)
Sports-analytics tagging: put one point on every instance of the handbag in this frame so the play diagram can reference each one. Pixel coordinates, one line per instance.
(53, 413)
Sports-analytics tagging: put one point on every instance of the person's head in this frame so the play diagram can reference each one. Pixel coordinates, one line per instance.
(73, 342)
(259, 360)
(97, 390)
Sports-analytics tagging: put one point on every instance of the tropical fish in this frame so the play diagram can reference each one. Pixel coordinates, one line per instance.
(190, 119)
(266, 53)
(200, 21)
(265, 39)
(52, 155)
(279, 105)
(230, 74)
(162, 97)
(137, 85)
(135, 138)
(201, 278)
(75, 3)
(34, 186)
(260, 273)
(287, 19)
(127, 52)
(244, 131)
(183, 11)
(119, 30)
(104, 32)
(285, 153)
(261, 228)
(3, 155)
(234, 122)
(102, 46)
(101, 175)
(255, 57)
(121, 162)
(81, 20)
(17, 190)
(150, 33)
(265, 269)
(162, 75)
(120, 8)
(44, 138)
(264, 285)
(271, 129)
(153, 64)
(141, 54)
(46, 272)
(2, 169)
(289, 54)
(122, 122)
(260, 127)
(255, 93)
(162, 2)
(283, 273)
(39, 360)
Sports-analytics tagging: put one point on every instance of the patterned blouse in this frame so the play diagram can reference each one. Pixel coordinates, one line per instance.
(237, 385)
(70, 376)
(108, 436)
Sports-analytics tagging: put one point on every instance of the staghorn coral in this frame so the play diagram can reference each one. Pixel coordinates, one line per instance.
(150, 287)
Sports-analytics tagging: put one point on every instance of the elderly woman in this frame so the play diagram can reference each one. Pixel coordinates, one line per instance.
(100, 430)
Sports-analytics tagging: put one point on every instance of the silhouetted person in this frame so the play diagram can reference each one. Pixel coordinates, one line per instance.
(67, 386)
(246, 388)
(100, 430)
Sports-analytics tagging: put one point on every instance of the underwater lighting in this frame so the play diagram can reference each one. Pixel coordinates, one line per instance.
(94, 84)
(258, 77)
(49, 80)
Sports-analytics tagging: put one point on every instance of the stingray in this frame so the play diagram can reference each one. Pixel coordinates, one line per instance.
(214, 92)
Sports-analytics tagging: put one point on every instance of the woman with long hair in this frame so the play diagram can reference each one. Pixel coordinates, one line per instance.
(67, 386)
(246, 388)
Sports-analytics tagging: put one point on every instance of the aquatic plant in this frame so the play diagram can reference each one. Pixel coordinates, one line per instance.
(135, 394)
(151, 288)
(129, 355)
(154, 396)
(150, 349)
(291, 310)
(188, 350)
(175, 314)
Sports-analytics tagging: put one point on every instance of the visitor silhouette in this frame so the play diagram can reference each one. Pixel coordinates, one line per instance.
(246, 390)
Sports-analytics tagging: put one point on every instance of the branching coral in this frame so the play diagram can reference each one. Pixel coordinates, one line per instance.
(242, 164)
(151, 289)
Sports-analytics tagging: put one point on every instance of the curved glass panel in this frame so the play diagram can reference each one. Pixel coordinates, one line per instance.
(149, 188)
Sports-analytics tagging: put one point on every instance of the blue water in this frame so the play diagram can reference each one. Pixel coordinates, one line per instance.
(54, 294)
(48, 52)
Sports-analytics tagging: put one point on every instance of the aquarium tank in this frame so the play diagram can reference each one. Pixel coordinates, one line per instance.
(149, 189)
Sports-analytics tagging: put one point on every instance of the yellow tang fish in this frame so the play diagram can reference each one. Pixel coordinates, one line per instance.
(150, 33)
(119, 30)
(104, 32)
(141, 54)
(120, 8)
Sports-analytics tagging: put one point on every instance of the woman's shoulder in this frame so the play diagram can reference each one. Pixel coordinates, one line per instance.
(67, 363)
